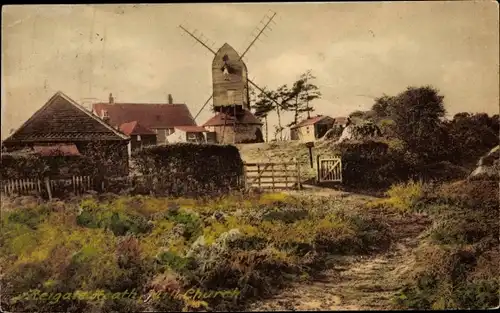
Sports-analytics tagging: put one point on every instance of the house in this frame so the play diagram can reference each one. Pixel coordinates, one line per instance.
(315, 127)
(140, 136)
(242, 128)
(195, 134)
(62, 127)
(161, 118)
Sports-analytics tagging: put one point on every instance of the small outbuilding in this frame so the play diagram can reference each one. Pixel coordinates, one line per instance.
(195, 134)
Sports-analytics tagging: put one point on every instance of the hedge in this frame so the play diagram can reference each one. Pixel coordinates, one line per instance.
(197, 168)
(371, 164)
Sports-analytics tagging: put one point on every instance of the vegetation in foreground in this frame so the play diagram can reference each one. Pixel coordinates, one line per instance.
(456, 265)
(170, 246)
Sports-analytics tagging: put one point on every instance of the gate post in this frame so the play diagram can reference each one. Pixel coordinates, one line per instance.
(299, 185)
(47, 185)
(245, 177)
(318, 179)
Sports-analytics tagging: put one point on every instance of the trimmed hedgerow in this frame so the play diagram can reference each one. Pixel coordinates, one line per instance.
(187, 167)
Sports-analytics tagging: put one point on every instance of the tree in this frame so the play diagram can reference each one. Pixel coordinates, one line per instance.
(303, 92)
(472, 135)
(382, 106)
(309, 92)
(281, 98)
(262, 106)
(417, 113)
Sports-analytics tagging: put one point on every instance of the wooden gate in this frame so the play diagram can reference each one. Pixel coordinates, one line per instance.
(329, 170)
(272, 176)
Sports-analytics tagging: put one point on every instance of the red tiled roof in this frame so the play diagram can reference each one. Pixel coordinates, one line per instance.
(148, 115)
(61, 149)
(221, 119)
(61, 119)
(134, 128)
(310, 121)
(191, 129)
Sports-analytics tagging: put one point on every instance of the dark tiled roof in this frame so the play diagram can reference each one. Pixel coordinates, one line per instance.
(134, 128)
(62, 119)
(148, 115)
(220, 119)
(192, 129)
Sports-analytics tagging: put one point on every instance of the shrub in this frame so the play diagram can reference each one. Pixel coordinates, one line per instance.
(205, 168)
(372, 164)
(457, 265)
(403, 197)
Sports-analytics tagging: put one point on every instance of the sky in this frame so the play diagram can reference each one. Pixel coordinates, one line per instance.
(357, 51)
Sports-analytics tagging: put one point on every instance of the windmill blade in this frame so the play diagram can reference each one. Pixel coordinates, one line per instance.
(206, 102)
(260, 33)
(192, 34)
(262, 91)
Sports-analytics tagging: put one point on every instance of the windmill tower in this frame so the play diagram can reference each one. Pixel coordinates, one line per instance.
(233, 121)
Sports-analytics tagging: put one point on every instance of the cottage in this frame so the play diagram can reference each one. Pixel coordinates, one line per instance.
(242, 128)
(315, 127)
(161, 118)
(64, 128)
(140, 136)
(196, 134)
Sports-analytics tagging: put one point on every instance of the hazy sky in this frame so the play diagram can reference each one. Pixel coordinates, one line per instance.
(357, 51)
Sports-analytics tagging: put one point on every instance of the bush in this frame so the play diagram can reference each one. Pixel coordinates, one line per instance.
(404, 196)
(204, 168)
(160, 244)
(457, 265)
(372, 164)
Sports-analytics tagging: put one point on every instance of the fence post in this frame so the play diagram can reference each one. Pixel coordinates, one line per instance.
(318, 171)
(286, 175)
(299, 185)
(272, 176)
(245, 177)
(47, 185)
(258, 173)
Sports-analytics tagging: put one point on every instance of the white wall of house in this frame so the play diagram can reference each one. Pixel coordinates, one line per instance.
(177, 136)
(304, 133)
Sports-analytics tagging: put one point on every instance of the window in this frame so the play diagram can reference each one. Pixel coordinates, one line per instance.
(105, 114)
(230, 97)
(138, 137)
(307, 129)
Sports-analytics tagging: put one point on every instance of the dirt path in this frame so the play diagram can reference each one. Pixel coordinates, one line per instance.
(356, 283)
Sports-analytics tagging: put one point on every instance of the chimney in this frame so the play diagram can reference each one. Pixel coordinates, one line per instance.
(170, 99)
(111, 99)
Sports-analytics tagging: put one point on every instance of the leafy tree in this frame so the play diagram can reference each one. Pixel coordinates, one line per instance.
(472, 135)
(417, 113)
(383, 105)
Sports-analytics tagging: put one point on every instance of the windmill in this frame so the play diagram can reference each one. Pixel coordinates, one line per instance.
(230, 92)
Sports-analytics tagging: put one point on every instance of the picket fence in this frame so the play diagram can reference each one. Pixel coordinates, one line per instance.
(265, 176)
(33, 186)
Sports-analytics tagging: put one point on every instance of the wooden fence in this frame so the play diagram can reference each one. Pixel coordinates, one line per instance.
(172, 184)
(272, 176)
(47, 187)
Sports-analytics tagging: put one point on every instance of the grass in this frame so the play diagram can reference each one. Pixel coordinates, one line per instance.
(457, 264)
(402, 197)
(255, 244)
